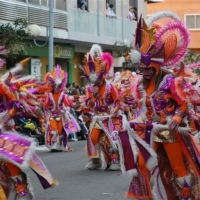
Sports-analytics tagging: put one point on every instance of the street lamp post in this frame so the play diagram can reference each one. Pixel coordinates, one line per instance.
(51, 21)
(34, 30)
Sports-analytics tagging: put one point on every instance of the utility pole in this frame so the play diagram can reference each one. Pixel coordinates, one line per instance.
(51, 25)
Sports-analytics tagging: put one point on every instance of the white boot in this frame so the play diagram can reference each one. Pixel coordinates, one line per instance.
(94, 163)
(114, 167)
(185, 187)
(115, 164)
(55, 141)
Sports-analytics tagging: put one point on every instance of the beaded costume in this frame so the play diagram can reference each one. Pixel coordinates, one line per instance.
(168, 111)
(102, 99)
(17, 151)
(57, 106)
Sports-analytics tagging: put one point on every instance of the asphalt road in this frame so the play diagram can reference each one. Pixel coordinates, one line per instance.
(76, 182)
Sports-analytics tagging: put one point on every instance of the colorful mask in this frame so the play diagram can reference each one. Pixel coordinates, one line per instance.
(163, 43)
(57, 79)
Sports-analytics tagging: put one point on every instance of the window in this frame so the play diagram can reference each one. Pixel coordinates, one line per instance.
(39, 2)
(35, 2)
(60, 5)
(21, 0)
(133, 3)
(112, 2)
(44, 2)
(192, 21)
(102, 7)
(198, 21)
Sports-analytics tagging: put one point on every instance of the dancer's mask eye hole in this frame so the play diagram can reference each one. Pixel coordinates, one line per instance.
(145, 71)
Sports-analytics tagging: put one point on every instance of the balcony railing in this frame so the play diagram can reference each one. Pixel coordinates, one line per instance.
(35, 14)
(100, 25)
(73, 20)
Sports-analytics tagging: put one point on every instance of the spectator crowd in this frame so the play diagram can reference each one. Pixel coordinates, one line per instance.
(110, 10)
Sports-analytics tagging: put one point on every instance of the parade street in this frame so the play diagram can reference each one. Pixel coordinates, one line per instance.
(76, 182)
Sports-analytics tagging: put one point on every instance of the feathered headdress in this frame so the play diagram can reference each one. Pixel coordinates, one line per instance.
(96, 64)
(57, 77)
(162, 40)
(13, 82)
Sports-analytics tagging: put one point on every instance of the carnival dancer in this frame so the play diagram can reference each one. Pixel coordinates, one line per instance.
(60, 123)
(103, 100)
(189, 83)
(131, 104)
(160, 45)
(131, 144)
(17, 151)
(14, 90)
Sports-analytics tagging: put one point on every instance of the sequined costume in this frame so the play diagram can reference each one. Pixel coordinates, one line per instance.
(17, 151)
(101, 97)
(160, 45)
(57, 106)
(131, 144)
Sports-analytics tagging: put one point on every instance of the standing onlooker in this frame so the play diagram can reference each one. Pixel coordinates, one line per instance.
(78, 4)
(135, 12)
(131, 15)
(107, 10)
(111, 11)
(82, 5)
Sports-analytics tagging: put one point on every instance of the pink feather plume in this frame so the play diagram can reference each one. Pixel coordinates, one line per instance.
(107, 59)
(183, 41)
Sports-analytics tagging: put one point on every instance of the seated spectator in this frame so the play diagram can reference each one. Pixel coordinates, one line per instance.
(73, 136)
(82, 91)
(32, 130)
(87, 116)
(82, 134)
(70, 90)
(19, 125)
(76, 90)
(111, 11)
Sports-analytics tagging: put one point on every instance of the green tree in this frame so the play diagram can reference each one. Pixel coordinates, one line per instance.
(120, 49)
(11, 34)
(192, 57)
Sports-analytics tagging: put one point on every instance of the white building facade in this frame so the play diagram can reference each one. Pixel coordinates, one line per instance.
(74, 30)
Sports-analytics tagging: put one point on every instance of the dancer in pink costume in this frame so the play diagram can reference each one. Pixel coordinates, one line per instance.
(101, 98)
(17, 151)
(60, 123)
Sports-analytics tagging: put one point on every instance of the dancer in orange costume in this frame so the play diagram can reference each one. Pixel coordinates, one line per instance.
(57, 105)
(17, 151)
(102, 99)
(14, 89)
(160, 45)
(133, 150)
